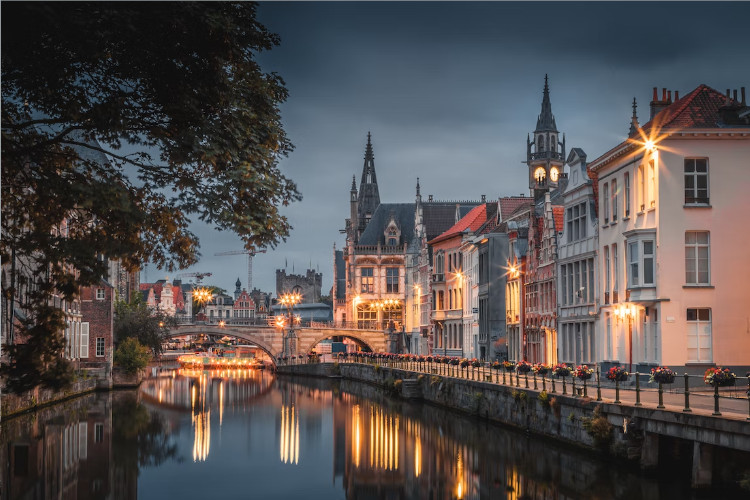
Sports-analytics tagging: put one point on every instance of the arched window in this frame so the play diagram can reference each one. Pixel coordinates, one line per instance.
(552, 142)
(540, 143)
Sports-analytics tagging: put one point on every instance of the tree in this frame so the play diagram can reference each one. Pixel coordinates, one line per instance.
(136, 320)
(120, 123)
(132, 356)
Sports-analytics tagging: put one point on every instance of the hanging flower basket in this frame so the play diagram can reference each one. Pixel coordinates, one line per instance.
(464, 363)
(617, 374)
(454, 361)
(662, 374)
(719, 377)
(523, 367)
(583, 372)
(475, 363)
(561, 370)
(541, 368)
(509, 366)
(497, 365)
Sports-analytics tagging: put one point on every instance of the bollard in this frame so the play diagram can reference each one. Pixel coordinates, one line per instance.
(573, 390)
(526, 377)
(598, 386)
(585, 392)
(637, 389)
(716, 401)
(661, 397)
(617, 392)
(535, 386)
(564, 388)
(553, 384)
(517, 384)
(503, 376)
(544, 384)
(687, 396)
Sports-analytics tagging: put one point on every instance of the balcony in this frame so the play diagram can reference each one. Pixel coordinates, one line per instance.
(447, 314)
(547, 154)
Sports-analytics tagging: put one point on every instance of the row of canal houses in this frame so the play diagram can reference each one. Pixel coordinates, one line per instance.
(636, 258)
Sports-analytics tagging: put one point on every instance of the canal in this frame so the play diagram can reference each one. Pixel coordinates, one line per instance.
(246, 434)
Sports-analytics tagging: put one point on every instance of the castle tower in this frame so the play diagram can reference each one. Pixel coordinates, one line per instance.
(545, 153)
(369, 197)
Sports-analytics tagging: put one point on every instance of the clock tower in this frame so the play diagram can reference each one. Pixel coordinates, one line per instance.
(545, 153)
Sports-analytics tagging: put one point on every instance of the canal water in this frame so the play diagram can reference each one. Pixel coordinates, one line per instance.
(247, 434)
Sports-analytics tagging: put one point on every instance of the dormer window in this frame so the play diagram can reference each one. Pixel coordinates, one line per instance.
(392, 235)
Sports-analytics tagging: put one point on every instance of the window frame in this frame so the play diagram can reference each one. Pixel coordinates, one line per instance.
(626, 200)
(695, 324)
(695, 200)
(101, 344)
(367, 282)
(696, 246)
(392, 286)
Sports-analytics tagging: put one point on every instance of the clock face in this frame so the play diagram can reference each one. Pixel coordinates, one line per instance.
(540, 174)
(554, 174)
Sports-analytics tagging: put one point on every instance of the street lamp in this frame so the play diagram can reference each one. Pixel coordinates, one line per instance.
(289, 300)
(201, 296)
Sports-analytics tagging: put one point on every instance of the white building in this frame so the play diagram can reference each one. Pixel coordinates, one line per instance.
(673, 237)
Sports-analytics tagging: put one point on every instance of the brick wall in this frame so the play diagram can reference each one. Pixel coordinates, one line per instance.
(97, 309)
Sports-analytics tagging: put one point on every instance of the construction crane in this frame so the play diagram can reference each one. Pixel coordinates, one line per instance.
(250, 256)
(198, 276)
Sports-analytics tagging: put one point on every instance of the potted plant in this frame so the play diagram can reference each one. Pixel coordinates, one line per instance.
(617, 374)
(523, 367)
(561, 370)
(509, 366)
(540, 368)
(719, 377)
(583, 372)
(662, 375)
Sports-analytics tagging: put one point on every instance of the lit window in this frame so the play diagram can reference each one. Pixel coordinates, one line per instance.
(697, 258)
(368, 281)
(696, 181)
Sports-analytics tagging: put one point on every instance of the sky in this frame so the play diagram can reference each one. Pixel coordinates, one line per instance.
(450, 90)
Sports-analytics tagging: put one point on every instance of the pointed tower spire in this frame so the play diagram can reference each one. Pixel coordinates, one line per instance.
(369, 196)
(546, 121)
(634, 120)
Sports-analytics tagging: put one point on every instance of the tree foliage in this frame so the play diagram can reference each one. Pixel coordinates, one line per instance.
(131, 355)
(136, 320)
(121, 121)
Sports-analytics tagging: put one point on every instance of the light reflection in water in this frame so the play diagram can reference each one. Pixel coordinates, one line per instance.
(289, 440)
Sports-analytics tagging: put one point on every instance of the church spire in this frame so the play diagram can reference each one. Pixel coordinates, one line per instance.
(546, 121)
(634, 121)
(369, 196)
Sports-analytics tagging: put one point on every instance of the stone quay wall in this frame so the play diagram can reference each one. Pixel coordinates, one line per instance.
(624, 431)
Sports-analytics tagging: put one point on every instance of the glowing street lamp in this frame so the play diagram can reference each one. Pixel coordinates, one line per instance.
(201, 296)
(289, 300)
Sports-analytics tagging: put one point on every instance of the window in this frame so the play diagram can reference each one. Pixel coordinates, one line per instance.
(605, 202)
(98, 433)
(699, 335)
(366, 316)
(633, 279)
(640, 263)
(99, 347)
(85, 340)
(615, 272)
(391, 280)
(651, 184)
(607, 283)
(696, 181)
(100, 294)
(641, 189)
(627, 195)
(697, 258)
(576, 222)
(368, 281)
(614, 200)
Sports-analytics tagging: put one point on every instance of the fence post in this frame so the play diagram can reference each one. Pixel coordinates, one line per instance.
(661, 397)
(716, 401)
(598, 385)
(573, 382)
(535, 386)
(687, 396)
(564, 388)
(637, 389)
(617, 391)
(526, 377)
(553, 384)
(585, 391)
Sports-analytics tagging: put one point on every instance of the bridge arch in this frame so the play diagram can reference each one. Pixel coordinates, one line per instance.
(262, 344)
(367, 341)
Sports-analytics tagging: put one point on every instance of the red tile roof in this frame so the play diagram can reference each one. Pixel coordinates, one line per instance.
(471, 221)
(510, 204)
(558, 212)
(698, 109)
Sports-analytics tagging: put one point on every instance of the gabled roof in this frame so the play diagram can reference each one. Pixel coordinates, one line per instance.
(558, 215)
(698, 109)
(472, 221)
(438, 216)
(402, 213)
(510, 204)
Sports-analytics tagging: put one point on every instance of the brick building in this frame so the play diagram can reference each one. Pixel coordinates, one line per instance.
(97, 314)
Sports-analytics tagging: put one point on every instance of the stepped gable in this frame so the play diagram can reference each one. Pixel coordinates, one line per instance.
(402, 213)
(472, 221)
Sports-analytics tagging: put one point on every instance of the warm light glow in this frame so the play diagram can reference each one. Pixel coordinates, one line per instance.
(289, 439)
(221, 323)
(649, 144)
(280, 321)
(417, 457)
(201, 295)
(221, 402)
(357, 434)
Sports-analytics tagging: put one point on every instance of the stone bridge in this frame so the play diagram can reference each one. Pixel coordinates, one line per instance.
(270, 339)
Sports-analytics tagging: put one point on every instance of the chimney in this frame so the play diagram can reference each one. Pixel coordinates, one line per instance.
(657, 105)
(429, 198)
(484, 198)
(676, 95)
(735, 94)
(742, 90)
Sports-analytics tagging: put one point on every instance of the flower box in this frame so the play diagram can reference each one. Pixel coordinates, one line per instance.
(719, 377)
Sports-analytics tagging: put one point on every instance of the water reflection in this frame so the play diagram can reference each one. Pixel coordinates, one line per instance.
(334, 440)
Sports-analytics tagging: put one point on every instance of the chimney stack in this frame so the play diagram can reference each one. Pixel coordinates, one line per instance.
(676, 95)
(656, 105)
(742, 90)
(735, 94)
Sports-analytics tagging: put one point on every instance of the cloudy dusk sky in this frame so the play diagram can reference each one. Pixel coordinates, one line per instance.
(449, 91)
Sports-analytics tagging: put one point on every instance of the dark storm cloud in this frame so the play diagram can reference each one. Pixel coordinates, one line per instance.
(450, 90)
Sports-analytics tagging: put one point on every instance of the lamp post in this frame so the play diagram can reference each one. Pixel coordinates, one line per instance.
(201, 296)
(289, 300)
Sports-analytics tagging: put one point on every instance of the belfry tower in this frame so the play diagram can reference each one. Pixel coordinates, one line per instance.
(545, 153)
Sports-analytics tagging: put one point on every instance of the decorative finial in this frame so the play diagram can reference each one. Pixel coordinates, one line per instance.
(634, 120)
(417, 186)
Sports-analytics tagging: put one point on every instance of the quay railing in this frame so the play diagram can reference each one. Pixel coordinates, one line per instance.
(689, 389)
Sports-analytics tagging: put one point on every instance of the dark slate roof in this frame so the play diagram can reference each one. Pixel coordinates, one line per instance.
(340, 284)
(438, 216)
(403, 213)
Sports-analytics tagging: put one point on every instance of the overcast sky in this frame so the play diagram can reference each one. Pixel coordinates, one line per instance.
(450, 91)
